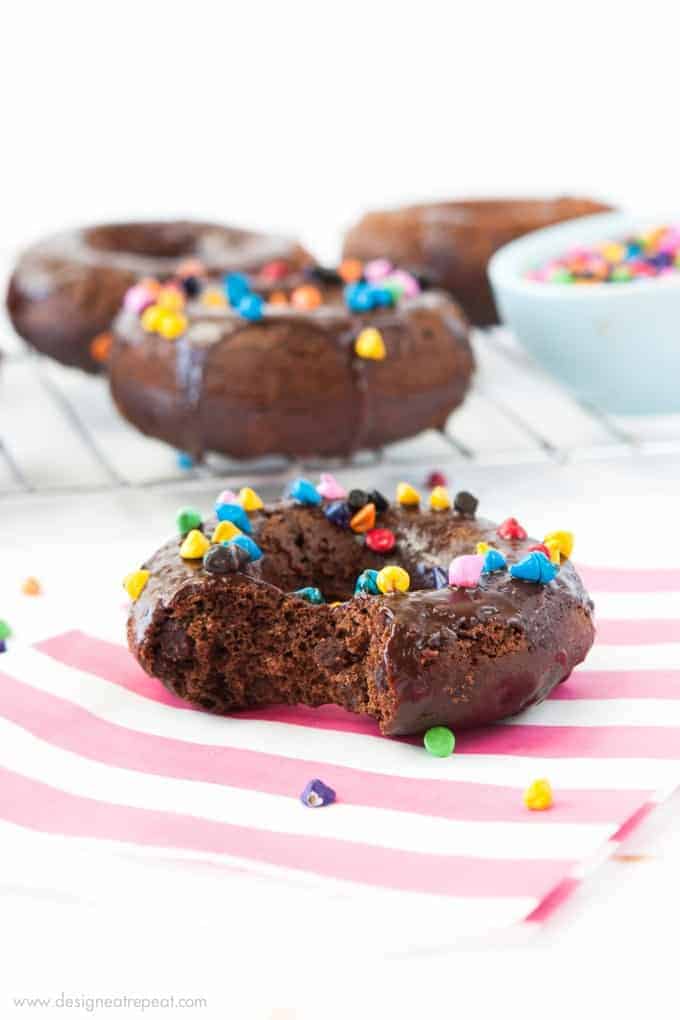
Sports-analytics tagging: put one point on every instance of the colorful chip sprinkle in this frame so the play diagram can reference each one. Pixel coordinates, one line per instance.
(235, 513)
(439, 741)
(247, 543)
(5, 630)
(134, 585)
(538, 796)
(364, 519)
(370, 345)
(188, 518)
(330, 488)
(393, 579)
(465, 571)
(367, 583)
(511, 530)
(380, 540)
(302, 491)
(656, 253)
(250, 500)
(227, 558)
(440, 499)
(31, 586)
(316, 794)
(534, 567)
(562, 540)
(407, 495)
(225, 531)
(194, 546)
(311, 594)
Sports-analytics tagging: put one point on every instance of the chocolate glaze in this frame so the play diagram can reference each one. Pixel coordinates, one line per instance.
(67, 289)
(291, 384)
(452, 242)
(459, 657)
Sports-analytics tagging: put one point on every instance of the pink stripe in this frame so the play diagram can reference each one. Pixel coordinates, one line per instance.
(648, 683)
(72, 728)
(621, 579)
(574, 741)
(35, 805)
(632, 823)
(554, 900)
(113, 663)
(637, 632)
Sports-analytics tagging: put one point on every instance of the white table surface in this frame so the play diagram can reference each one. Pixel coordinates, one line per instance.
(88, 517)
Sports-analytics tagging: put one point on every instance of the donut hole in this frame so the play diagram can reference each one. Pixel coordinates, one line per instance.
(156, 240)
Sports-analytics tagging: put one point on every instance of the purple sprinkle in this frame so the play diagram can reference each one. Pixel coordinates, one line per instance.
(3, 646)
(317, 794)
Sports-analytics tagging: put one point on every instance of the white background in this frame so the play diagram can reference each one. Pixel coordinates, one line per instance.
(296, 117)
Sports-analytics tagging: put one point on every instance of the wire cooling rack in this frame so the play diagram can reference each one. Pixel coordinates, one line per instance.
(59, 430)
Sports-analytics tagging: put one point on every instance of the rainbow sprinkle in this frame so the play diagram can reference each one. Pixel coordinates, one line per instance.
(655, 253)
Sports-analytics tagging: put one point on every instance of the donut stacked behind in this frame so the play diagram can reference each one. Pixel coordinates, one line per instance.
(311, 604)
(452, 242)
(290, 367)
(66, 290)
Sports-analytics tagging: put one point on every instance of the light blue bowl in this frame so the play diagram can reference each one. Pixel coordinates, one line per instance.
(616, 345)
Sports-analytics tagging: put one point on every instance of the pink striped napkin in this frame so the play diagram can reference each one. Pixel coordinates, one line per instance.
(92, 748)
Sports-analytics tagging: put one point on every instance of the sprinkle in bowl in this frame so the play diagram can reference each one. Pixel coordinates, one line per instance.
(615, 344)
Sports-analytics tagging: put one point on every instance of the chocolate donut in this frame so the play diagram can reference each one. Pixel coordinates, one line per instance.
(66, 290)
(276, 615)
(299, 374)
(451, 242)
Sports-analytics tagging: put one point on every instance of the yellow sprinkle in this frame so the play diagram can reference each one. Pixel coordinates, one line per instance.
(250, 500)
(151, 318)
(482, 547)
(393, 579)
(612, 251)
(194, 546)
(172, 325)
(564, 540)
(407, 495)
(224, 531)
(31, 586)
(538, 796)
(554, 549)
(135, 583)
(213, 298)
(370, 344)
(439, 498)
(171, 299)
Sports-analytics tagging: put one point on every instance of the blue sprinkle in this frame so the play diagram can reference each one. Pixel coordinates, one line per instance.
(317, 794)
(251, 307)
(304, 492)
(534, 567)
(432, 576)
(236, 286)
(252, 548)
(185, 461)
(338, 513)
(359, 297)
(235, 513)
(3, 647)
(382, 298)
(493, 561)
(367, 583)
(312, 595)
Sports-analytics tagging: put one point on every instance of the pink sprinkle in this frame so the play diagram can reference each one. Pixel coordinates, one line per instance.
(408, 282)
(138, 298)
(465, 571)
(330, 488)
(227, 496)
(377, 269)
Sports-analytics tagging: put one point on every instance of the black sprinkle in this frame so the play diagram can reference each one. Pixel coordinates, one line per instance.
(225, 559)
(323, 274)
(465, 503)
(378, 501)
(192, 286)
(358, 499)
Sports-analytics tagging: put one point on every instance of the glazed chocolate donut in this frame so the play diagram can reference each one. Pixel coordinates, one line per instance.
(66, 290)
(298, 603)
(300, 374)
(451, 242)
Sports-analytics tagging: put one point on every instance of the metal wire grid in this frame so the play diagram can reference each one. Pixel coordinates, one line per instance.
(60, 432)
